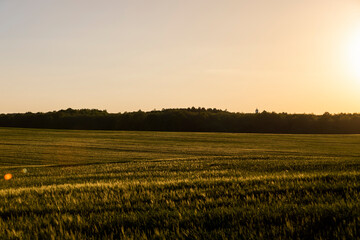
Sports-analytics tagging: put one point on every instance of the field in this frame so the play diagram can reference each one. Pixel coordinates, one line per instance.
(164, 185)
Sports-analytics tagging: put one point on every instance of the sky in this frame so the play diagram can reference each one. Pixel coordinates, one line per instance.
(279, 55)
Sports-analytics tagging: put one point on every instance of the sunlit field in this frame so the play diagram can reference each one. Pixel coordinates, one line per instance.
(163, 185)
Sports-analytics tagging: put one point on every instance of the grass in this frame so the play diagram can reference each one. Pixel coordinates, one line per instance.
(157, 185)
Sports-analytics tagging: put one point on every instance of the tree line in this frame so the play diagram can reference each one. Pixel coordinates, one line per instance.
(186, 119)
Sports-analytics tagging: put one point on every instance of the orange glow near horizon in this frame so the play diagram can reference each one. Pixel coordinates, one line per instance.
(282, 56)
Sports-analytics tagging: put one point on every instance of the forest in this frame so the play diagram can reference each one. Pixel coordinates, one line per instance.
(187, 120)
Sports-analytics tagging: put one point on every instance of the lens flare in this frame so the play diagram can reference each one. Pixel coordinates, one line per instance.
(8, 176)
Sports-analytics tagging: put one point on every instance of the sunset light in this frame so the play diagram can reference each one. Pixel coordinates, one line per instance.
(125, 56)
(353, 54)
(173, 119)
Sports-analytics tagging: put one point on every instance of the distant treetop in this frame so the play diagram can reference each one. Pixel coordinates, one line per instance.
(187, 119)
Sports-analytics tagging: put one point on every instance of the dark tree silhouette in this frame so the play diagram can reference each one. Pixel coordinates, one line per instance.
(186, 119)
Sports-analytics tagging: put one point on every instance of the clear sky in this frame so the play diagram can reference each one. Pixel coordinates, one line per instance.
(279, 55)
